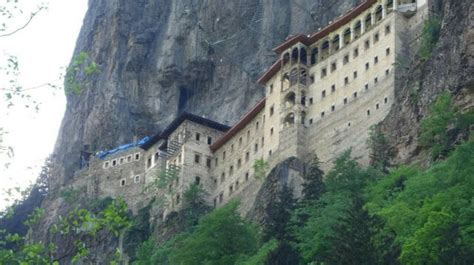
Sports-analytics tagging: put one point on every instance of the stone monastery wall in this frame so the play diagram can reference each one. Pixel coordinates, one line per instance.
(322, 96)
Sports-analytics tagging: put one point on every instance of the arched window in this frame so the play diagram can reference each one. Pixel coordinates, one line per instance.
(290, 99)
(303, 76)
(357, 29)
(286, 58)
(324, 50)
(303, 117)
(347, 35)
(303, 55)
(335, 43)
(289, 119)
(293, 76)
(378, 13)
(314, 56)
(368, 22)
(389, 6)
(303, 98)
(294, 56)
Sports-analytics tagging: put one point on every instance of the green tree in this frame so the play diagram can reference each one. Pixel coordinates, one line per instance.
(380, 150)
(338, 228)
(429, 211)
(220, 238)
(276, 226)
(313, 186)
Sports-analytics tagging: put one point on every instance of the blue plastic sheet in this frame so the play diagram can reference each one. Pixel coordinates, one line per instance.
(103, 154)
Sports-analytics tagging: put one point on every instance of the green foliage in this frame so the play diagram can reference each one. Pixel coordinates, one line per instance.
(260, 168)
(70, 195)
(337, 227)
(430, 211)
(219, 238)
(443, 118)
(380, 150)
(81, 65)
(87, 228)
(313, 187)
(261, 257)
(429, 37)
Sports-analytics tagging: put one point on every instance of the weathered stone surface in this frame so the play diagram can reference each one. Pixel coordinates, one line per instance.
(450, 68)
(158, 58)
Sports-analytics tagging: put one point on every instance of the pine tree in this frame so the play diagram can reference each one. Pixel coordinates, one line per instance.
(313, 187)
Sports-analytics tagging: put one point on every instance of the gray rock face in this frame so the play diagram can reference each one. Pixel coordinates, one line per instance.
(158, 58)
(451, 68)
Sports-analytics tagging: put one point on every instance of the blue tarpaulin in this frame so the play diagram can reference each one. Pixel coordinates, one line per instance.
(103, 154)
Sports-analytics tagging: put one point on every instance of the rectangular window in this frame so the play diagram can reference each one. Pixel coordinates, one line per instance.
(387, 29)
(355, 94)
(208, 163)
(198, 137)
(209, 140)
(356, 52)
(271, 88)
(376, 80)
(114, 162)
(366, 87)
(310, 121)
(240, 141)
(322, 114)
(376, 37)
(137, 157)
(239, 163)
(323, 94)
(324, 72)
(345, 101)
(271, 131)
(346, 80)
(377, 106)
(223, 155)
(333, 67)
(367, 44)
(256, 126)
(247, 157)
(368, 112)
(367, 66)
(197, 158)
(387, 72)
(255, 148)
(310, 101)
(376, 59)
(333, 108)
(216, 161)
(231, 170)
(311, 79)
(355, 74)
(247, 176)
(345, 60)
(387, 51)
(385, 100)
(333, 88)
(272, 109)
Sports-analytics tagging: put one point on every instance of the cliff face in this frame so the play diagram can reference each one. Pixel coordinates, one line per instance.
(158, 58)
(450, 68)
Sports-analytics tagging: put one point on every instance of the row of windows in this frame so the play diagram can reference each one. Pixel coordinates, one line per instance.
(239, 161)
(345, 101)
(232, 188)
(121, 160)
(346, 82)
(198, 138)
(355, 54)
(240, 142)
(136, 179)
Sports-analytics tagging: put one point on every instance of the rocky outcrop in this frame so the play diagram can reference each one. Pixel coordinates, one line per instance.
(159, 58)
(288, 173)
(451, 68)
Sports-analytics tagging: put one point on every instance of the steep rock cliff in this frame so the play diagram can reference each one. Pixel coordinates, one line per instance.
(159, 58)
(450, 68)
